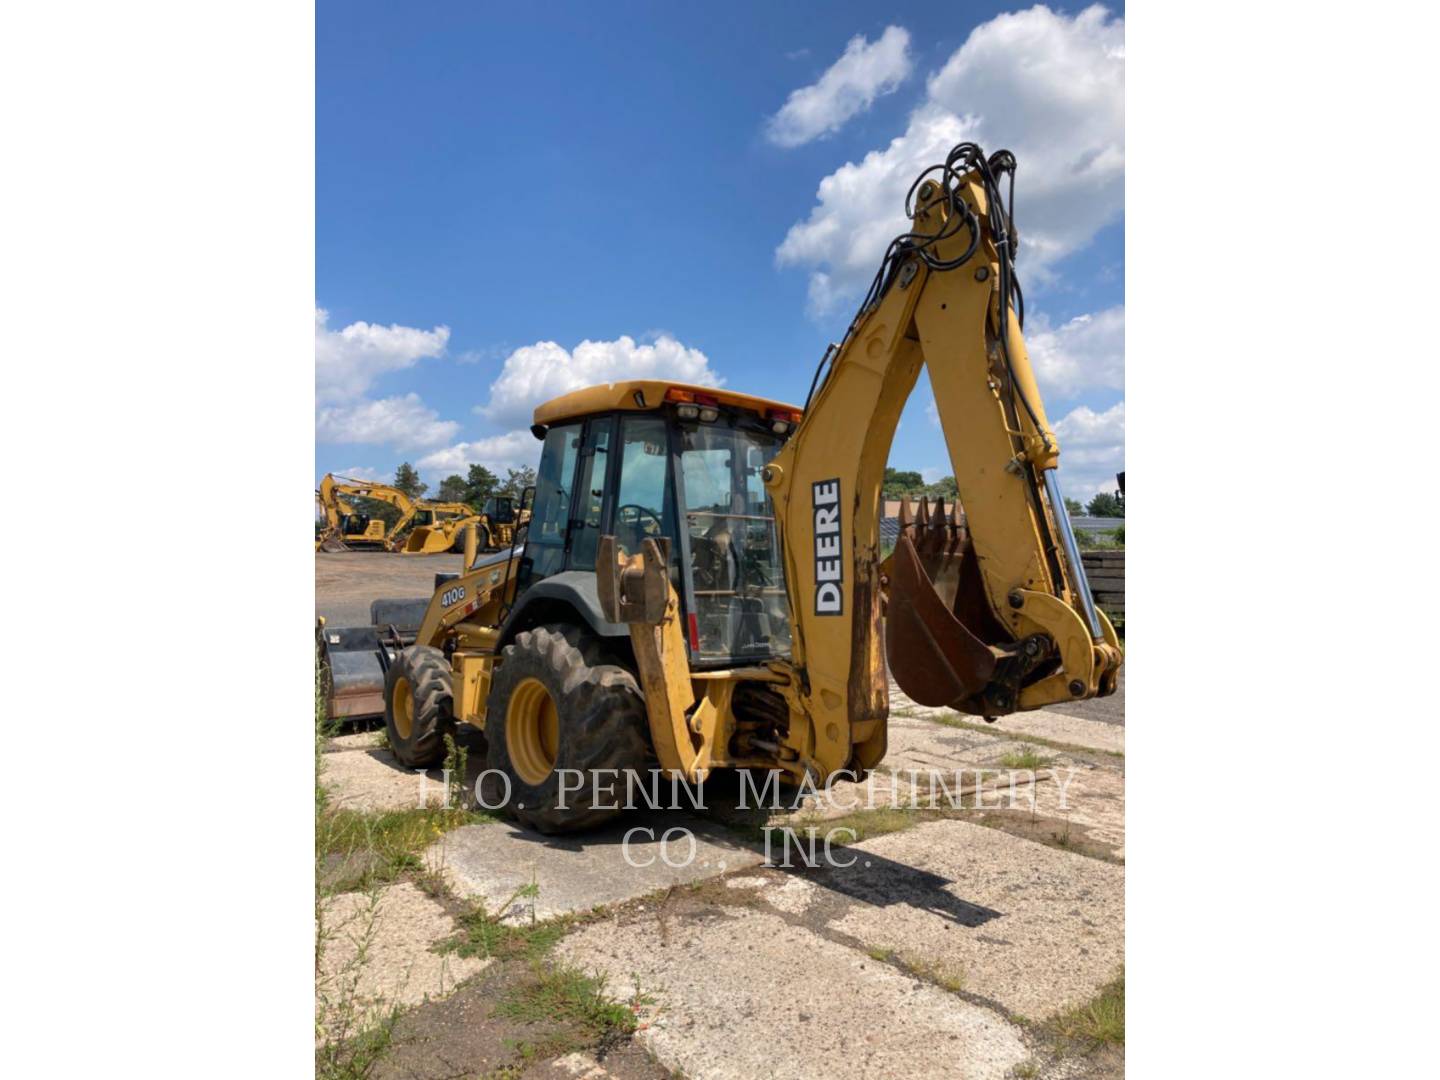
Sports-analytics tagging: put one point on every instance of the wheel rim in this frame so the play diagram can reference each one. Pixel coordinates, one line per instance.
(532, 731)
(402, 708)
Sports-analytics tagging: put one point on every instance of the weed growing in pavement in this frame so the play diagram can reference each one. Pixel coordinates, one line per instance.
(922, 969)
(356, 849)
(565, 993)
(484, 933)
(457, 762)
(943, 977)
(351, 1034)
(1025, 758)
(1099, 1022)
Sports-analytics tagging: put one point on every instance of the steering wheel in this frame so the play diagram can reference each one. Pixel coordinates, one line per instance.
(639, 511)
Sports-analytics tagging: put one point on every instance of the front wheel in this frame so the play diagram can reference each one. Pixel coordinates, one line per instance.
(551, 714)
(418, 706)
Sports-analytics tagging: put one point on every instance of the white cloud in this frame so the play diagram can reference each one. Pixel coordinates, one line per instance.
(539, 372)
(1092, 450)
(1047, 86)
(404, 422)
(347, 361)
(849, 86)
(1086, 352)
(510, 450)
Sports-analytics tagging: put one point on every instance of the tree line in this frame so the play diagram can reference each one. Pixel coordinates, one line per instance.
(901, 483)
(474, 488)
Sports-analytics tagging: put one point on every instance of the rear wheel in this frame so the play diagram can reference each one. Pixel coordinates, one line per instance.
(418, 706)
(552, 715)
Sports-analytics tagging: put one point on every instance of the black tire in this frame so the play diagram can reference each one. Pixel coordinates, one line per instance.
(482, 540)
(601, 725)
(420, 676)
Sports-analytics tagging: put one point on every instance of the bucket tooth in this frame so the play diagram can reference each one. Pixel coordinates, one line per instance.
(933, 542)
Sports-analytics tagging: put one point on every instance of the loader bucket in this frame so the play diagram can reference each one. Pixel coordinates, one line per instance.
(354, 659)
(426, 540)
(936, 625)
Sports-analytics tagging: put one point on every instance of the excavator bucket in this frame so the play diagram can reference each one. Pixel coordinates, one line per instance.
(938, 627)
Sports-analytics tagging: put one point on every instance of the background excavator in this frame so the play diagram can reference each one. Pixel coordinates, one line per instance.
(346, 529)
(701, 584)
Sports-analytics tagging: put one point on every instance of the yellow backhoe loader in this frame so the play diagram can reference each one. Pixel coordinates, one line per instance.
(702, 586)
(345, 529)
(495, 527)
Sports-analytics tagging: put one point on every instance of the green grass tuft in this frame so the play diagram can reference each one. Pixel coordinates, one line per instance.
(1026, 758)
(1100, 1021)
(567, 994)
(356, 849)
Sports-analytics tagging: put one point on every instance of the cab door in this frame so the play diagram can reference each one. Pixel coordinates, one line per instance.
(591, 511)
(547, 537)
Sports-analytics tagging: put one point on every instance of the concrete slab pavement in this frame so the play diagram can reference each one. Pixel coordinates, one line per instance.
(1030, 927)
(749, 994)
(376, 952)
(491, 862)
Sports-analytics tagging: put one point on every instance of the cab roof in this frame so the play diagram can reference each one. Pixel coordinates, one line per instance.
(644, 394)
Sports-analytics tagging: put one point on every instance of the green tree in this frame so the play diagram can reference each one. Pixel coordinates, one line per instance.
(898, 482)
(452, 489)
(1073, 507)
(516, 481)
(480, 484)
(408, 480)
(945, 487)
(1105, 504)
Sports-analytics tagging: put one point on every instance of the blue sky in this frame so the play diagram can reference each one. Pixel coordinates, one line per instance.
(492, 178)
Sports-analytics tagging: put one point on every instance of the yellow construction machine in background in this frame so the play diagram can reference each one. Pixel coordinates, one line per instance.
(495, 525)
(701, 583)
(344, 529)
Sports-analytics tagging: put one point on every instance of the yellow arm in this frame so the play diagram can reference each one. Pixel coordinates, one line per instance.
(1019, 630)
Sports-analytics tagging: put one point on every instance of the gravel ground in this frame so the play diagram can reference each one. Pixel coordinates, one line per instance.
(346, 581)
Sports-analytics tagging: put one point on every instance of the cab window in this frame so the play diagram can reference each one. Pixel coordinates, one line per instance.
(594, 473)
(644, 502)
(545, 540)
(736, 572)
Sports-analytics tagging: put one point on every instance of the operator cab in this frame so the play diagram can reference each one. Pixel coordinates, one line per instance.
(679, 462)
(500, 509)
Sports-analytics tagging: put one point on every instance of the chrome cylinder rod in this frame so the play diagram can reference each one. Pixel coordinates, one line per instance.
(1078, 581)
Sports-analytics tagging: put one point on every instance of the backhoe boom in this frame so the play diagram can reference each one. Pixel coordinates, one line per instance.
(988, 616)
